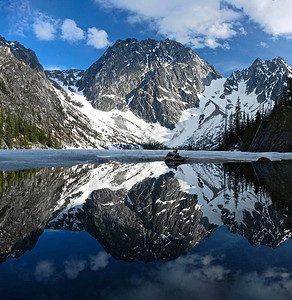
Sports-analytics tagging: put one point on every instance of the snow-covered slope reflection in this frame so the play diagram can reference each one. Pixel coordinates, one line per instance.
(146, 211)
(151, 200)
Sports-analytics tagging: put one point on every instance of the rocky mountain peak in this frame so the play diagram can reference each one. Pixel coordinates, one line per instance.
(23, 54)
(155, 79)
(265, 78)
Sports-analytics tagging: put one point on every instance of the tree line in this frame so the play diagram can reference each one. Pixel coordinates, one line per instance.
(16, 132)
(240, 129)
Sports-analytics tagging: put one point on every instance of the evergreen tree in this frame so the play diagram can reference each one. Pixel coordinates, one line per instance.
(17, 132)
(9, 132)
(230, 124)
(237, 116)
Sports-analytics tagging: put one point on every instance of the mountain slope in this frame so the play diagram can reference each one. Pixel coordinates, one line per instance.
(167, 83)
(257, 87)
(137, 92)
(265, 78)
(26, 90)
(273, 134)
(156, 80)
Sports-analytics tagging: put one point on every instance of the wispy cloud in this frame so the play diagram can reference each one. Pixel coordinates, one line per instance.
(99, 261)
(44, 270)
(20, 16)
(56, 67)
(263, 44)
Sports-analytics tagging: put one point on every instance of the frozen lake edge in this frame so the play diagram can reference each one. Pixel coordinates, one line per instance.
(28, 159)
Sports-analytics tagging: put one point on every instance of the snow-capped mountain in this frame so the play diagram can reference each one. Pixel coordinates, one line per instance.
(137, 92)
(162, 91)
(156, 80)
(264, 78)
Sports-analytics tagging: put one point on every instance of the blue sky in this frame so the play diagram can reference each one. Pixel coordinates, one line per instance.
(229, 34)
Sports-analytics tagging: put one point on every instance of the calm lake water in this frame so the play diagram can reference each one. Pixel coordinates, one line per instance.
(78, 226)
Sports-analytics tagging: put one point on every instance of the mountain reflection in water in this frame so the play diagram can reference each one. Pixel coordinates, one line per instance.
(196, 226)
(146, 211)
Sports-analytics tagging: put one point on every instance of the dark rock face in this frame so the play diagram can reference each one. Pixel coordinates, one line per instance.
(153, 221)
(274, 135)
(156, 80)
(266, 78)
(20, 52)
(27, 91)
(67, 78)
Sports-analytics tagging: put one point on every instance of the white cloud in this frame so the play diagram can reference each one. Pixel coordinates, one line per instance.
(208, 23)
(99, 261)
(274, 16)
(44, 30)
(19, 15)
(45, 27)
(23, 18)
(71, 32)
(57, 67)
(197, 23)
(97, 38)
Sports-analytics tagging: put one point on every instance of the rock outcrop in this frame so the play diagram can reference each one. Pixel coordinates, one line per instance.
(156, 80)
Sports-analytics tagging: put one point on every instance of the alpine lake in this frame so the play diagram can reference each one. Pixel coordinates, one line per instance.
(88, 224)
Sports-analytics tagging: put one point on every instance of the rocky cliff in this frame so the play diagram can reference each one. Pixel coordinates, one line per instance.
(156, 80)
(26, 90)
(275, 133)
(266, 79)
(136, 93)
